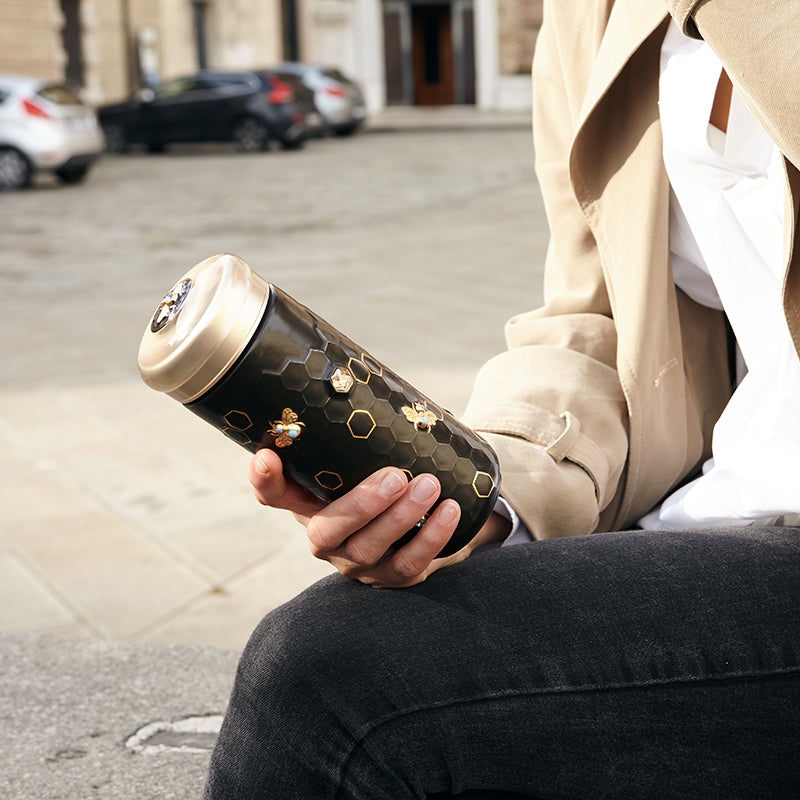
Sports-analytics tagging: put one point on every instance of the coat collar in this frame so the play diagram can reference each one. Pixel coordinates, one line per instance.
(630, 23)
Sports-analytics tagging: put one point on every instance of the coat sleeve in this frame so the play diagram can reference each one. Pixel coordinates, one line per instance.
(552, 405)
(759, 44)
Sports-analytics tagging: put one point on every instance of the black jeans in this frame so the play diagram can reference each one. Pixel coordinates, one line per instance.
(623, 665)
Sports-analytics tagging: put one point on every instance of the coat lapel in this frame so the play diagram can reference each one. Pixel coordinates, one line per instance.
(630, 23)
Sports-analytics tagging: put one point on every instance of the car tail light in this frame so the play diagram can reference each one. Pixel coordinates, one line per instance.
(34, 110)
(280, 93)
(334, 91)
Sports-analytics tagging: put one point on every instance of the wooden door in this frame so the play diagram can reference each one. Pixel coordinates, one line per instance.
(433, 55)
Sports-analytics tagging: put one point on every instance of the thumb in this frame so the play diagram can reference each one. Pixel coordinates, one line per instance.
(272, 488)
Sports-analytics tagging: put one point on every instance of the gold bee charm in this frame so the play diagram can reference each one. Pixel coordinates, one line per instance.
(287, 429)
(422, 417)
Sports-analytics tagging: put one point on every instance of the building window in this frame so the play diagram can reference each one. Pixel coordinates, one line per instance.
(71, 39)
(199, 8)
(291, 43)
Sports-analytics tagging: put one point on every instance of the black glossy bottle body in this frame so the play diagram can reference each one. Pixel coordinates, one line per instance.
(335, 415)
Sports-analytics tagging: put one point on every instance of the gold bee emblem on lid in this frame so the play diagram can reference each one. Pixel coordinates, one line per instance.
(287, 429)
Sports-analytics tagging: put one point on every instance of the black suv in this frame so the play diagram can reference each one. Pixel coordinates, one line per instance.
(245, 108)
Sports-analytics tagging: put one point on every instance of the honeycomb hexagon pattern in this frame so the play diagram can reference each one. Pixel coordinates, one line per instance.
(350, 407)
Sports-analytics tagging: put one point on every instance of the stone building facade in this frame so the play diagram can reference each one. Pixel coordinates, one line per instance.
(518, 23)
(408, 52)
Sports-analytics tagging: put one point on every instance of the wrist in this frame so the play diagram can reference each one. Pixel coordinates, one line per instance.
(495, 529)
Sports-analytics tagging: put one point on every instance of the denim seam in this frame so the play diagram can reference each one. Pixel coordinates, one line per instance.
(360, 736)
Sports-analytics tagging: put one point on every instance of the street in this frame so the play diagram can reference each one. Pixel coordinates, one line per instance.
(123, 515)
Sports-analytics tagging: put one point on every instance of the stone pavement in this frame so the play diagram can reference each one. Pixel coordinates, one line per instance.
(126, 524)
(70, 712)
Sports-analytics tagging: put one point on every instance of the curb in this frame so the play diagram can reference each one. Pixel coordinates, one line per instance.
(445, 120)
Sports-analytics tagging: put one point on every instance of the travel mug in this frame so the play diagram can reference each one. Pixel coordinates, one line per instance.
(268, 372)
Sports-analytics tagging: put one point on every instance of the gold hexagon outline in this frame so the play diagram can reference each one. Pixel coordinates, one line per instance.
(237, 427)
(243, 441)
(329, 472)
(379, 367)
(353, 372)
(475, 488)
(371, 419)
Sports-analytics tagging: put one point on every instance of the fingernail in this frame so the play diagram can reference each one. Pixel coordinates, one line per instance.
(448, 511)
(262, 462)
(424, 489)
(392, 484)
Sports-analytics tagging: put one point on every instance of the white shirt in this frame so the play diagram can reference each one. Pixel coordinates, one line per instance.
(726, 236)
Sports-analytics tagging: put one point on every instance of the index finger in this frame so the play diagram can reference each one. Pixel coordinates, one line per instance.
(357, 510)
(273, 488)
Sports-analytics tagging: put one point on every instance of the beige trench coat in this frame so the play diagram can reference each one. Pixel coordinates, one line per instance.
(607, 396)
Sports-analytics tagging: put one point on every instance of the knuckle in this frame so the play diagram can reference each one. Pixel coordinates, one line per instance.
(318, 538)
(359, 552)
(405, 567)
(363, 507)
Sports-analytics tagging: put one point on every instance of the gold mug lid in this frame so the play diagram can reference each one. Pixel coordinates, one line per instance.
(201, 326)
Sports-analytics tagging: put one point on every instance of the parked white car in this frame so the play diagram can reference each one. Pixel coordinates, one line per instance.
(339, 100)
(44, 126)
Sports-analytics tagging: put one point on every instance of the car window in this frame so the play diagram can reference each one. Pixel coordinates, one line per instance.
(178, 86)
(234, 86)
(221, 81)
(335, 75)
(4, 96)
(201, 84)
(60, 95)
(301, 91)
(292, 80)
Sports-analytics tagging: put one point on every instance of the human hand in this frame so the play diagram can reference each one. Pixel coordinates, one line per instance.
(357, 531)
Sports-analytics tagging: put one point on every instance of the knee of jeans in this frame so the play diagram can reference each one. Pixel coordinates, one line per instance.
(300, 655)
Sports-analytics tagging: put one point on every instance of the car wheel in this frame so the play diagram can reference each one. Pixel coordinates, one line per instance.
(72, 174)
(250, 135)
(116, 138)
(293, 144)
(156, 147)
(15, 169)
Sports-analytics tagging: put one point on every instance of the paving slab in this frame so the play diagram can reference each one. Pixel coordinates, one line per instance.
(26, 604)
(69, 710)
